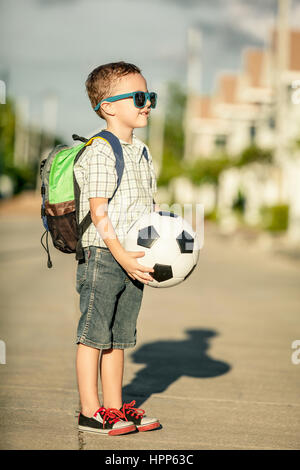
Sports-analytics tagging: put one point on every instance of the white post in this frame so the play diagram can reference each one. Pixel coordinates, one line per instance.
(2, 92)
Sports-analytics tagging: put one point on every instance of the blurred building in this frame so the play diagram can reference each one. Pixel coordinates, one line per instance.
(243, 111)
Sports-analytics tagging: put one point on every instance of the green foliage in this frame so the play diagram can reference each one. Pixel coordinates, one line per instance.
(176, 101)
(173, 135)
(275, 218)
(171, 168)
(295, 144)
(239, 203)
(7, 135)
(23, 177)
(207, 170)
(254, 154)
(212, 215)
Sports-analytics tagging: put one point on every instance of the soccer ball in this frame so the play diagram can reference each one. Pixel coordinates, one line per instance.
(171, 247)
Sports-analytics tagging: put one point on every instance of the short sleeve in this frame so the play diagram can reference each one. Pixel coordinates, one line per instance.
(101, 174)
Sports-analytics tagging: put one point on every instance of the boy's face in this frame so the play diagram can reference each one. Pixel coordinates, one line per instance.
(124, 110)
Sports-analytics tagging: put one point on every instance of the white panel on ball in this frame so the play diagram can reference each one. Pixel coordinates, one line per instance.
(182, 265)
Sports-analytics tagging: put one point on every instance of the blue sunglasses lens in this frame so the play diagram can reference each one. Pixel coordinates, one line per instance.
(153, 98)
(140, 99)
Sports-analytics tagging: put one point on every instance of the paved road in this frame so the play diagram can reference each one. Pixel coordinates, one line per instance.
(213, 359)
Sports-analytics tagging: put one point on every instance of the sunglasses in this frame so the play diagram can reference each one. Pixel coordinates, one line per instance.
(139, 98)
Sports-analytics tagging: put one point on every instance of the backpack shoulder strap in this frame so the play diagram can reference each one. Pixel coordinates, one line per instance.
(118, 152)
(145, 153)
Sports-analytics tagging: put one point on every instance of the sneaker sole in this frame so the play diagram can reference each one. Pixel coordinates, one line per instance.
(109, 432)
(148, 427)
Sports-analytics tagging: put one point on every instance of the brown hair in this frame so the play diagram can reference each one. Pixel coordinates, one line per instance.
(102, 79)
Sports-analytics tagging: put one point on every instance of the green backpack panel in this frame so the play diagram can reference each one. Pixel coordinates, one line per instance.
(61, 194)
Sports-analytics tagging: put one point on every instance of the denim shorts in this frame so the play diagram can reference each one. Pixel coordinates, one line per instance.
(110, 301)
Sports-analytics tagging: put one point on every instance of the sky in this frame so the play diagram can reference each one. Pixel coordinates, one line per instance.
(50, 46)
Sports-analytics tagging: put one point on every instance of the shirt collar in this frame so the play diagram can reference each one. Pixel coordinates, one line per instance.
(137, 145)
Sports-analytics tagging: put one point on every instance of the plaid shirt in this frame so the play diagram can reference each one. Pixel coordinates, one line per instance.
(96, 176)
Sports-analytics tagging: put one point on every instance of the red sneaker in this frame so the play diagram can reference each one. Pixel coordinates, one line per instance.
(138, 417)
(105, 421)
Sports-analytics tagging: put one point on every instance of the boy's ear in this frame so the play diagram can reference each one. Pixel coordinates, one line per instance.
(108, 108)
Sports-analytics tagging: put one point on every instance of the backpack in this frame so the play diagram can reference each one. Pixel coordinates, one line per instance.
(61, 194)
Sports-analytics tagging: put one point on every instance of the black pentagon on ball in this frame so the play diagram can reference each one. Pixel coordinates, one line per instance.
(147, 236)
(185, 242)
(189, 273)
(169, 214)
(162, 272)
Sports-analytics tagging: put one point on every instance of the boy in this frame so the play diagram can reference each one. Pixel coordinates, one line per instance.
(110, 281)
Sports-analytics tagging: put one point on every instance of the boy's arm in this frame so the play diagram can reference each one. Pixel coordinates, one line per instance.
(102, 222)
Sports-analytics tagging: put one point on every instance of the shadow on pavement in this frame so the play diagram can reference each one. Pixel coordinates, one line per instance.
(166, 361)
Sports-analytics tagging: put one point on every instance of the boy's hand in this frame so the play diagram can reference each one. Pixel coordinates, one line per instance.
(156, 207)
(134, 269)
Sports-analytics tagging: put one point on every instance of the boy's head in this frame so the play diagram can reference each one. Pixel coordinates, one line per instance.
(114, 79)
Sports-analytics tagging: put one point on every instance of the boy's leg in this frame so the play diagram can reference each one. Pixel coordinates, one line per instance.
(111, 371)
(99, 281)
(87, 360)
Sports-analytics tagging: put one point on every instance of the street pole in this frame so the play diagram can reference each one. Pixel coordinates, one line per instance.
(157, 127)
(194, 44)
(281, 58)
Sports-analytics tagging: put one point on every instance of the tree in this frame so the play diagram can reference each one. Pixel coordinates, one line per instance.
(173, 135)
(7, 135)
